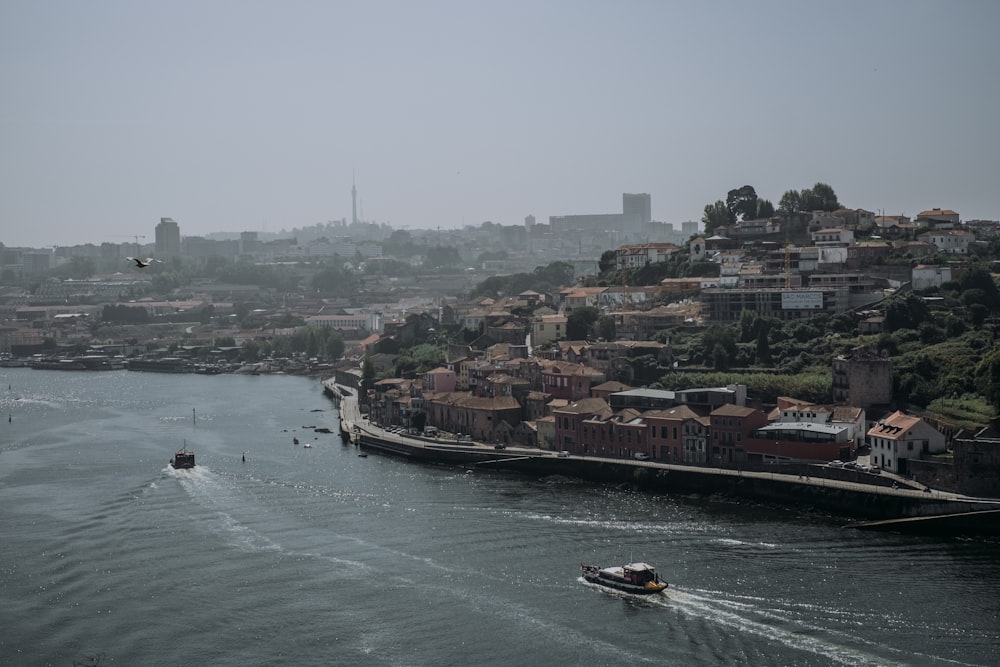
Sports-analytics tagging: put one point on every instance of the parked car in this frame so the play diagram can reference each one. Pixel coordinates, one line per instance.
(563, 454)
(499, 445)
(836, 464)
(641, 456)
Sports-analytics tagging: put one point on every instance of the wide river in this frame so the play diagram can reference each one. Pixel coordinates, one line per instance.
(316, 556)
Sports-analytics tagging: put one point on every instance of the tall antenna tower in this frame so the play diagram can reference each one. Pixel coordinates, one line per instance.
(354, 200)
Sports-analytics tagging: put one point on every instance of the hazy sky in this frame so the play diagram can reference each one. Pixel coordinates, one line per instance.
(240, 115)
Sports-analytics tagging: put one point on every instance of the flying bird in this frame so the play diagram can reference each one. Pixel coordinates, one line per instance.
(143, 263)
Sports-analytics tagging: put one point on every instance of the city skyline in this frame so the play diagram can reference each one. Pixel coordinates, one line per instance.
(251, 116)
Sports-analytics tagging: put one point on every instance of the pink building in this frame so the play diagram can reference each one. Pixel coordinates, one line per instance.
(440, 380)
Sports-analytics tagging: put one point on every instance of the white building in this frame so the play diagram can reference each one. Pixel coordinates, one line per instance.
(954, 241)
(835, 236)
(344, 322)
(639, 255)
(925, 276)
(851, 418)
(900, 437)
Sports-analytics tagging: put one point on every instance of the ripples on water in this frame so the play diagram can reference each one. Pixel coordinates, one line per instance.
(318, 557)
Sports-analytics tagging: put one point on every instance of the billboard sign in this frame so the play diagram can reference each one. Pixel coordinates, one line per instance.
(802, 300)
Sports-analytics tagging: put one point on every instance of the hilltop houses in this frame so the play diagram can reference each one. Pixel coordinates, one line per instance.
(523, 381)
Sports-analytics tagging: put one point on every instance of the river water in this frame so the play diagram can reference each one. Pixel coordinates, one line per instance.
(316, 556)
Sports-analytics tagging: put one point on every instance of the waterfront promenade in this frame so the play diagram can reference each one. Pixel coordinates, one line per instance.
(873, 501)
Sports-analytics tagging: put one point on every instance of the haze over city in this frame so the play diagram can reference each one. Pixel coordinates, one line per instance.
(230, 116)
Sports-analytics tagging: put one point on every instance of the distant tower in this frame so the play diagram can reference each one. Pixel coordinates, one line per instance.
(168, 237)
(354, 201)
(248, 243)
(636, 211)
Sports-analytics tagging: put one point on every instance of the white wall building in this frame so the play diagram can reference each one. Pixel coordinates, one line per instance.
(925, 276)
(901, 437)
(955, 241)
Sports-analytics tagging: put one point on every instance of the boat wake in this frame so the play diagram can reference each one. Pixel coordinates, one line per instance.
(774, 621)
(787, 624)
(223, 498)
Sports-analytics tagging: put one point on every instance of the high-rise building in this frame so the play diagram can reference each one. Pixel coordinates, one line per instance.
(637, 211)
(168, 237)
(248, 243)
(354, 202)
(630, 223)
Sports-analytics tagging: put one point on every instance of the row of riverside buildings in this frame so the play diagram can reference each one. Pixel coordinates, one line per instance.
(561, 405)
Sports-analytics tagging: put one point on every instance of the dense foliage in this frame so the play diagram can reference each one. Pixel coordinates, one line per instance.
(813, 387)
(742, 203)
(542, 279)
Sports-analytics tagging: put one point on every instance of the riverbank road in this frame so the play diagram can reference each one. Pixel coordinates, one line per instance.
(355, 423)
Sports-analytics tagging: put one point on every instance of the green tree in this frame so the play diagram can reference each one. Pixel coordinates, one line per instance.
(280, 346)
(905, 312)
(763, 345)
(251, 350)
(980, 279)
(720, 358)
(819, 197)
(741, 203)
(367, 373)
(765, 209)
(542, 279)
(718, 335)
(335, 280)
(747, 324)
(606, 327)
(580, 321)
(790, 203)
(716, 215)
(608, 261)
(987, 378)
(978, 313)
(312, 343)
(334, 346)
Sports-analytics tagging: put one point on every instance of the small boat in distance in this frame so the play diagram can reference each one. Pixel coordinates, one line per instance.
(182, 459)
(639, 578)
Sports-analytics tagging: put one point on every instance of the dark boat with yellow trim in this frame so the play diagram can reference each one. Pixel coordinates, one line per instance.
(639, 578)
